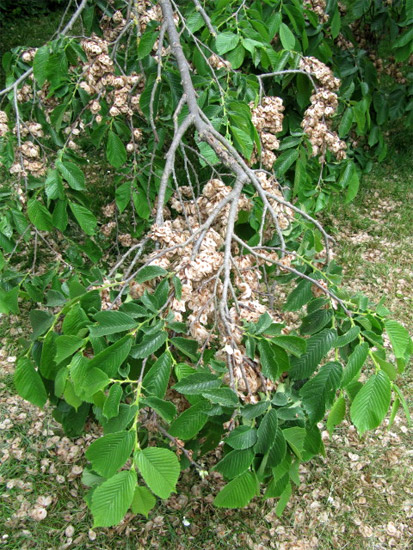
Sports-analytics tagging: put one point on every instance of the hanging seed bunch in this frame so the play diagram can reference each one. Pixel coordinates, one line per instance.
(316, 122)
(146, 12)
(121, 92)
(217, 62)
(267, 118)
(319, 8)
(4, 127)
(200, 265)
(285, 215)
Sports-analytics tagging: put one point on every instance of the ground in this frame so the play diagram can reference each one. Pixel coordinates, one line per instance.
(359, 496)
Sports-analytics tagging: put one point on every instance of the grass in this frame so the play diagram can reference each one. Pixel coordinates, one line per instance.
(375, 232)
(355, 498)
(13, 33)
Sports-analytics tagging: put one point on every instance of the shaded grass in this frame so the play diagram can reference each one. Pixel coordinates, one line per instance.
(33, 32)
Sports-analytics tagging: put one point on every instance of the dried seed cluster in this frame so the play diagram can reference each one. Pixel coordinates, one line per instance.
(4, 127)
(319, 8)
(200, 265)
(147, 12)
(284, 214)
(29, 161)
(121, 92)
(217, 62)
(324, 102)
(267, 118)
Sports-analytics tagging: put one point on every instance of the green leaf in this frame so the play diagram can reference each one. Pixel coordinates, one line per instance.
(84, 218)
(112, 322)
(347, 338)
(336, 415)
(41, 321)
(39, 215)
(346, 122)
(266, 432)
(287, 38)
(350, 181)
(242, 437)
(278, 450)
(253, 410)
(208, 154)
(243, 141)
(269, 366)
(70, 395)
(60, 381)
(353, 187)
(110, 452)
(111, 499)
(295, 438)
(196, 383)
(160, 469)
(188, 347)
(40, 61)
(285, 161)
(236, 56)
(150, 343)
(156, 380)
(112, 401)
(140, 202)
(111, 358)
(388, 368)
(87, 380)
(235, 463)
(67, 346)
(165, 409)
(284, 498)
(238, 492)
(126, 415)
(316, 321)
(399, 338)
(335, 24)
(115, 150)
(190, 422)
(222, 396)
(300, 296)
(263, 323)
(277, 486)
(53, 185)
(226, 41)
(150, 272)
(75, 321)
(59, 217)
(371, 403)
(404, 38)
(319, 392)
(146, 43)
(354, 364)
(143, 501)
(293, 344)
(317, 347)
(123, 196)
(28, 383)
(404, 404)
(9, 301)
(72, 174)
